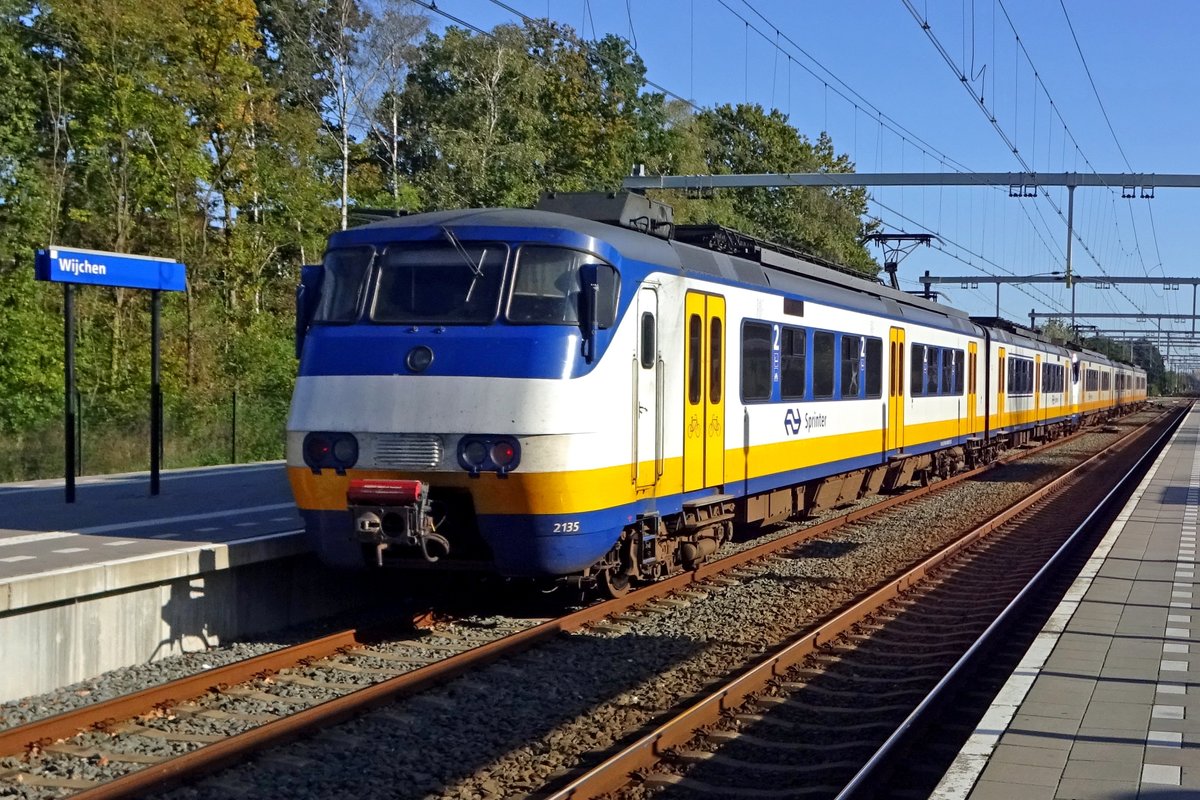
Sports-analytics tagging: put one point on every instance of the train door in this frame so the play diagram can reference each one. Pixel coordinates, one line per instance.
(1001, 382)
(896, 375)
(704, 400)
(972, 387)
(1037, 388)
(648, 386)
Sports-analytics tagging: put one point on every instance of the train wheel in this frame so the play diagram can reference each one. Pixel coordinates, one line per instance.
(615, 583)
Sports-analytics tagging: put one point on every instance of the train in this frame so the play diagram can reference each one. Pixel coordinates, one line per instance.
(590, 393)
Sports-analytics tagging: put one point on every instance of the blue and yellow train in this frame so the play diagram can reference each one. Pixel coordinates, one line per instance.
(593, 393)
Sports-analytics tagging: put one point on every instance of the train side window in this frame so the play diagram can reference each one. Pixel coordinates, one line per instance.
(649, 346)
(695, 345)
(346, 272)
(948, 358)
(792, 363)
(851, 365)
(920, 355)
(756, 361)
(874, 358)
(823, 364)
(716, 377)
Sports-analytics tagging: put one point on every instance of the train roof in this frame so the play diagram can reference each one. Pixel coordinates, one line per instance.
(646, 237)
(767, 268)
(630, 243)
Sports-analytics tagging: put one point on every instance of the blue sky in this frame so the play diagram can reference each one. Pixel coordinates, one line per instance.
(1142, 57)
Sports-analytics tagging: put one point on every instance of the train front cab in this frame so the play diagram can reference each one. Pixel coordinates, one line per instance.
(551, 501)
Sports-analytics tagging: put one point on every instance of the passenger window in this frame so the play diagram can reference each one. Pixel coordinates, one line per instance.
(715, 375)
(792, 364)
(823, 355)
(919, 354)
(851, 362)
(947, 386)
(649, 346)
(756, 361)
(695, 344)
(874, 359)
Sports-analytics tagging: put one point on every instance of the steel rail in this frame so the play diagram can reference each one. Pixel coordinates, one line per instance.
(20, 739)
(878, 764)
(613, 773)
(15, 741)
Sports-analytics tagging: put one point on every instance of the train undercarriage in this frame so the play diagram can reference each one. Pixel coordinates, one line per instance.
(402, 523)
(654, 547)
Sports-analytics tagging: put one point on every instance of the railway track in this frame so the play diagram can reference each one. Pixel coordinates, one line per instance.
(833, 712)
(293, 692)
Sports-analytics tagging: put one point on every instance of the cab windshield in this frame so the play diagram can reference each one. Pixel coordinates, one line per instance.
(456, 283)
(439, 284)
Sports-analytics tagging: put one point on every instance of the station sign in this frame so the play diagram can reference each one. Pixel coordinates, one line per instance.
(100, 268)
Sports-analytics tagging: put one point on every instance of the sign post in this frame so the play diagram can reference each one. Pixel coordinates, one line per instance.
(71, 266)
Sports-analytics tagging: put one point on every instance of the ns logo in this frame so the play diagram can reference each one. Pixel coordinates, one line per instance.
(792, 421)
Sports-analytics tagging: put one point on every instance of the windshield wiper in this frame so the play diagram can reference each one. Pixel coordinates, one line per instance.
(477, 270)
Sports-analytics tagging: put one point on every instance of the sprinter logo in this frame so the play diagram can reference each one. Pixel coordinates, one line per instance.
(795, 421)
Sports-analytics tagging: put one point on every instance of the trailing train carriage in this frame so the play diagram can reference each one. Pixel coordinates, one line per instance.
(601, 399)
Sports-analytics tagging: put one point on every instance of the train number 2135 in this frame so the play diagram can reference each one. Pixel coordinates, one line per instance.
(567, 527)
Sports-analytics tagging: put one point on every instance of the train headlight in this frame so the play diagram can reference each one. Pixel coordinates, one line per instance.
(499, 454)
(336, 450)
(317, 449)
(419, 358)
(475, 453)
(345, 451)
(503, 454)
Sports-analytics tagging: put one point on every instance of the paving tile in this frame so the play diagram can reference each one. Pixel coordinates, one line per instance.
(1103, 770)
(1116, 715)
(1020, 738)
(1142, 693)
(1024, 774)
(1161, 774)
(1044, 724)
(1083, 789)
(1034, 756)
(1068, 711)
(998, 790)
(1107, 751)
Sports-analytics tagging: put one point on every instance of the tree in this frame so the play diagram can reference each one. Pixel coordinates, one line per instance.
(391, 44)
(495, 119)
(748, 139)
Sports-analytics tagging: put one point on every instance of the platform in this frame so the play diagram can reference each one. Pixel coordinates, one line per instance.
(116, 534)
(1106, 702)
(120, 577)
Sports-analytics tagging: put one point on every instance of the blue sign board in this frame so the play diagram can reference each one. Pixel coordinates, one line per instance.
(98, 268)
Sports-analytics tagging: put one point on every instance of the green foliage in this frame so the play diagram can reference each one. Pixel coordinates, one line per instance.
(748, 139)
(31, 375)
(494, 120)
(233, 134)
